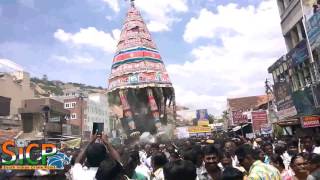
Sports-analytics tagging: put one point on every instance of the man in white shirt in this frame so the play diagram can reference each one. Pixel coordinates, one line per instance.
(292, 149)
(94, 154)
(308, 145)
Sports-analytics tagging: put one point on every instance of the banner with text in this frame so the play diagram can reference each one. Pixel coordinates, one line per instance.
(310, 121)
(239, 118)
(311, 12)
(202, 117)
(259, 120)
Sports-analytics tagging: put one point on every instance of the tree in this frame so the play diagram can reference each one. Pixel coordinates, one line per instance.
(211, 118)
(225, 115)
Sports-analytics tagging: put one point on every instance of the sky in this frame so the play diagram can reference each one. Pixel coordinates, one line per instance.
(212, 49)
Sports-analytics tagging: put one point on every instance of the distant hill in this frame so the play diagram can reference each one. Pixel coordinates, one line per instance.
(46, 88)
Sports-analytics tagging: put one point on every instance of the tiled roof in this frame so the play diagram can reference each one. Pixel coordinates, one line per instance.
(246, 103)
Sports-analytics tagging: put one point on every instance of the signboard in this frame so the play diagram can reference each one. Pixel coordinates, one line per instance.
(259, 118)
(299, 54)
(266, 129)
(74, 143)
(312, 22)
(310, 121)
(313, 30)
(282, 114)
(203, 123)
(250, 135)
(282, 93)
(239, 118)
(54, 119)
(202, 117)
(284, 101)
(199, 129)
(182, 132)
(304, 102)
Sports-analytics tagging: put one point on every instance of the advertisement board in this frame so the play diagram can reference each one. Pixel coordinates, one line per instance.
(299, 53)
(199, 129)
(312, 21)
(310, 121)
(202, 117)
(266, 129)
(259, 119)
(182, 132)
(239, 118)
(304, 102)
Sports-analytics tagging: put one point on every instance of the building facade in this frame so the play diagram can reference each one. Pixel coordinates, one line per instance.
(97, 112)
(77, 107)
(85, 109)
(42, 119)
(246, 113)
(296, 74)
(17, 87)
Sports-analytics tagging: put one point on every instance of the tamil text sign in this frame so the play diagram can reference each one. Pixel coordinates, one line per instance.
(282, 114)
(259, 119)
(239, 118)
(199, 129)
(310, 121)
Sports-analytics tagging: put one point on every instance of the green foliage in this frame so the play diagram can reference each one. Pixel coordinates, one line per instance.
(277, 130)
(54, 88)
(211, 118)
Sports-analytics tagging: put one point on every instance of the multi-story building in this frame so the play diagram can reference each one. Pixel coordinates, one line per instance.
(85, 109)
(296, 74)
(77, 107)
(97, 112)
(17, 87)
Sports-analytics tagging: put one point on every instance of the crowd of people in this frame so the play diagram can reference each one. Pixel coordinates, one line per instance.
(225, 158)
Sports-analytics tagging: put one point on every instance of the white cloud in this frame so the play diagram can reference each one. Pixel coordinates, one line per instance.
(159, 14)
(251, 41)
(6, 64)
(109, 18)
(91, 37)
(113, 4)
(233, 20)
(74, 60)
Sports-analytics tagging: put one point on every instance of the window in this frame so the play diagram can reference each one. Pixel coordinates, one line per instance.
(66, 105)
(73, 94)
(67, 94)
(73, 104)
(74, 116)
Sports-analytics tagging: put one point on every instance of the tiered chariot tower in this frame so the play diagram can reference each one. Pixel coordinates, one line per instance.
(139, 82)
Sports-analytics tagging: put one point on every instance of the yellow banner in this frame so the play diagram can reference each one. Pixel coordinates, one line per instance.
(203, 123)
(75, 143)
(199, 129)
